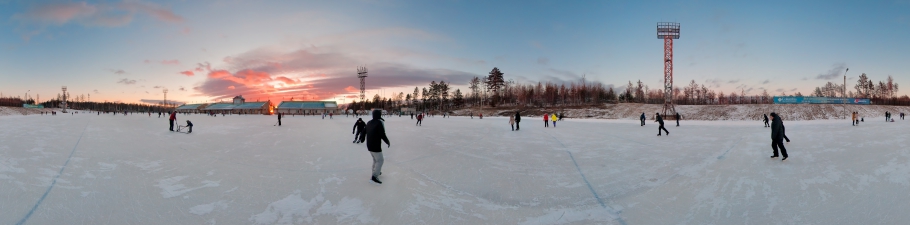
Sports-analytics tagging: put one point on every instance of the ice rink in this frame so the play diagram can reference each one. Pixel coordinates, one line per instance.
(107, 169)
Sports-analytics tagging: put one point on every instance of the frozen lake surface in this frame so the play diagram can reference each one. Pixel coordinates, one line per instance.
(90, 169)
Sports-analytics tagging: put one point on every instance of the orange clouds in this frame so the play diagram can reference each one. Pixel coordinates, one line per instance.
(188, 73)
(231, 87)
(351, 89)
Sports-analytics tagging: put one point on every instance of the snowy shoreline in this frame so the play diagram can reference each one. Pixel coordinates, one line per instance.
(632, 111)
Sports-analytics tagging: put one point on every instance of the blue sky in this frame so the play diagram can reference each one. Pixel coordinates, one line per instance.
(129, 50)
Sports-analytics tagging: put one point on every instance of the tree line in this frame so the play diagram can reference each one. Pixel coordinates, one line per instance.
(494, 90)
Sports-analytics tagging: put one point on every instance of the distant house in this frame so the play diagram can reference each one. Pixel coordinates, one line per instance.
(240, 106)
(191, 108)
(307, 107)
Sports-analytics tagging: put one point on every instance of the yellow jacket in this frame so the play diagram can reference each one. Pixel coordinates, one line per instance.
(553, 117)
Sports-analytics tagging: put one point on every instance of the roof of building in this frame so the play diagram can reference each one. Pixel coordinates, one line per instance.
(307, 105)
(220, 106)
(251, 105)
(190, 106)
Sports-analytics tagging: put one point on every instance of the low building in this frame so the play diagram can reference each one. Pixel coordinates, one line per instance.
(307, 107)
(240, 106)
(191, 108)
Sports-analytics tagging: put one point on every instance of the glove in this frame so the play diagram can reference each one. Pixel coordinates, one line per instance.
(388, 145)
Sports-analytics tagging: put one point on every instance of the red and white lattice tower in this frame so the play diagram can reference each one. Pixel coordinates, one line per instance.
(668, 31)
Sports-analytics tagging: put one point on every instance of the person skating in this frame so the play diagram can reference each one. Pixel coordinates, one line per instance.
(553, 118)
(189, 125)
(677, 119)
(481, 115)
(359, 130)
(172, 118)
(512, 122)
(642, 118)
(546, 120)
(517, 120)
(766, 120)
(279, 119)
(777, 136)
(660, 121)
(419, 120)
(375, 132)
(853, 118)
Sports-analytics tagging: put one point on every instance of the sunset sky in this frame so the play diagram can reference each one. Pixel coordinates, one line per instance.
(211, 50)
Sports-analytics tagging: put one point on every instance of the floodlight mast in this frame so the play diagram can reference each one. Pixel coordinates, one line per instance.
(668, 31)
(362, 74)
(64, 99)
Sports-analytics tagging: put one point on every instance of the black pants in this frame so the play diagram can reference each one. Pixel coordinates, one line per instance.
(546, 124)
(517, 127)
(419, 123)
(279, 122)
(357, 136)
(642, 122)
(513, 126)
(779, 144)
(172, 125)
(662, 128)
(677, 122)
(766, 124)
(190, 129)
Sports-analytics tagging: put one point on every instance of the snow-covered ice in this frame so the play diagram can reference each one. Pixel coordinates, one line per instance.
(107, 169)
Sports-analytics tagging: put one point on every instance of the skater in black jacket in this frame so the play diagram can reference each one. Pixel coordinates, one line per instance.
(517, 120)
(766, 120)
(642, 118)
(189, 125)
(375, 132)
(777, 136)
(279, 119)
(359, 131)
(677, 119)
(661, 122)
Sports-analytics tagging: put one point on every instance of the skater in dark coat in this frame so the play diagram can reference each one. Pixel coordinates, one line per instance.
(375, 132)
(677, 119)
(660, 121)
(419, 120)
(279, 119)
(172, 119)
(642, 118)
(189, 125)
(766, 120)
(517, 120)
(777, 136)
(359, 131)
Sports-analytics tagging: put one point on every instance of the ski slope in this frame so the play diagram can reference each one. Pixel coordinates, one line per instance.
(107, 169)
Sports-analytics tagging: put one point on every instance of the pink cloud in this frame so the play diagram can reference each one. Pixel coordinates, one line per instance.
(188, 73)
(286, 80)
(351, 89)
(231, 87)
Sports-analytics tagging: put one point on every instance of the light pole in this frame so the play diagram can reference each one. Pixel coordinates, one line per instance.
(845, 93)
(26, 95)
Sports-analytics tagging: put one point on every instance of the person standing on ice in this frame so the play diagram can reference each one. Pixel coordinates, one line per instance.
(766, 120)
(777, 136)
(512, 122)
(375, 132)
(853, 118)
(419, 120)
(553, 118)
(279, 119)
(546, 120)
(677, 119)
(172, 119)
(360, 132)
(660, 121)
(517, 120)
(642, 118)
